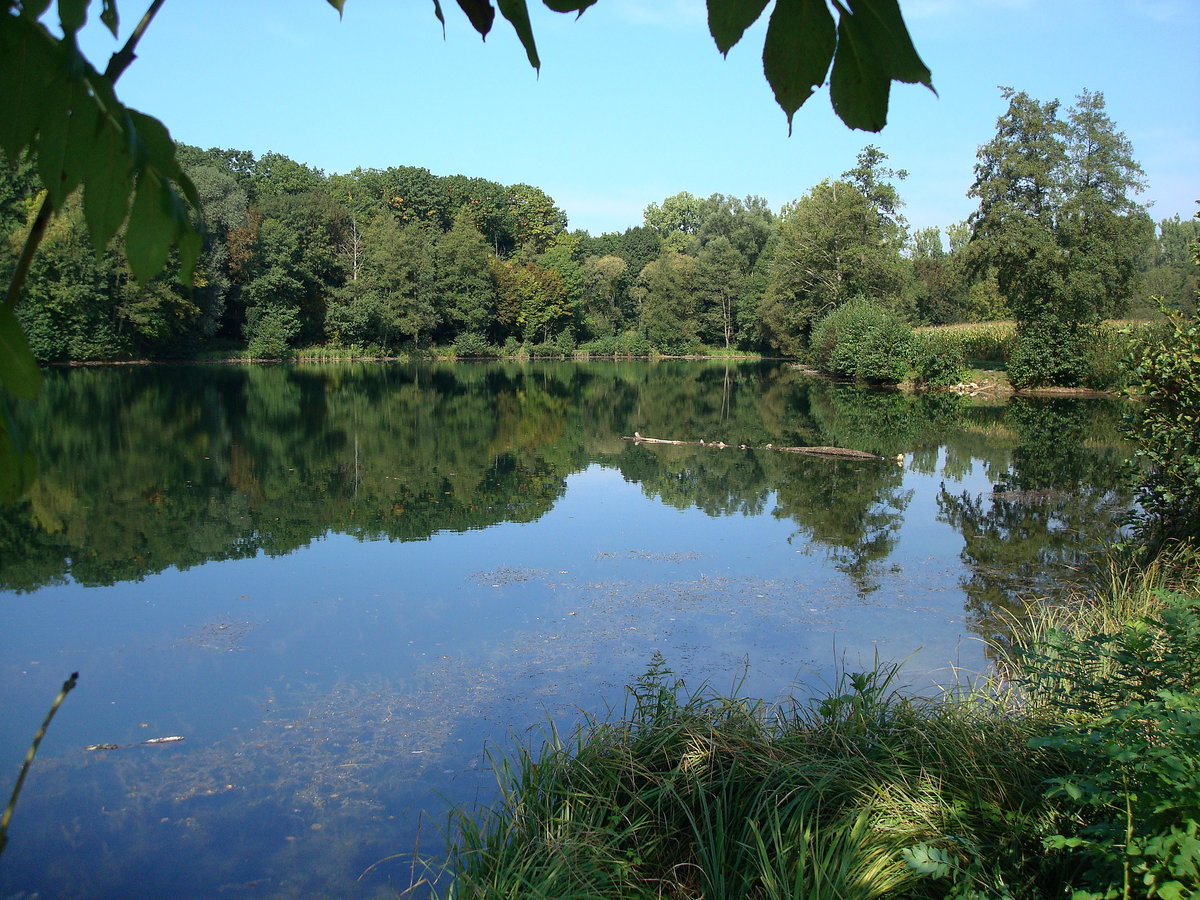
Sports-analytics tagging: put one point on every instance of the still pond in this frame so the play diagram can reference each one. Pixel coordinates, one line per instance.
(341, 584)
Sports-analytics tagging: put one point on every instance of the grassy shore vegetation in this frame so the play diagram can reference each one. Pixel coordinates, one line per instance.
(1071, 768)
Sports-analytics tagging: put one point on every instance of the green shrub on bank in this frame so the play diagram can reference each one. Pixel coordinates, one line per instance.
(1130, 701)
(472, 345)
(1164, 366)
(864, 341)
(938, 359)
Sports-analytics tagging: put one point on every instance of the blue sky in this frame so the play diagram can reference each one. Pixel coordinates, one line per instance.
(634, 103)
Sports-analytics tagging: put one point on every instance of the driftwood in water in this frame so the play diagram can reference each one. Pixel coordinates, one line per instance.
(831, 452)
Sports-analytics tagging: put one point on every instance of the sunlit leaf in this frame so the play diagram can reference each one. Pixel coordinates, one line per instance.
(480, 14)
(518, 14)
(858, 85)
(108, 182)
(152, 228)
(30, 62)
(800, 42)
(729, 19)
(19, 372)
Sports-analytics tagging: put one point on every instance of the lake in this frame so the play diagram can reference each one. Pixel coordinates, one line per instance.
(340, 584)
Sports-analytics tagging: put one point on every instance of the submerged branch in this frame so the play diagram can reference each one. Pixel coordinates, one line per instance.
(829, 452)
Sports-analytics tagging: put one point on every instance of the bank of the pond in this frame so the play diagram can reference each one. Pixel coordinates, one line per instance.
(1074, 765)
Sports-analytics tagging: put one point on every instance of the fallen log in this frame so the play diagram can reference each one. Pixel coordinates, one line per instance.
(829, 452)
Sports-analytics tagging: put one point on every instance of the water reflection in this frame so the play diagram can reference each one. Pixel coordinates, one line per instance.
(339, 582)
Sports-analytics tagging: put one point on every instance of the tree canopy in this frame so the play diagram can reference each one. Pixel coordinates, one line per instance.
(58, 109)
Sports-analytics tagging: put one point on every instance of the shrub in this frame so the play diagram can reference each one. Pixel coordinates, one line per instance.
(601, 346)
(1049, 351)
(565, 342)
(1164, 368)
(1131, 742)
(633, 343)
(271, 331)
(472, 344)
(862, 340)
(939, 359)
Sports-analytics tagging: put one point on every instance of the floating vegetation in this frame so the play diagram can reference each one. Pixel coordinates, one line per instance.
(223, 636)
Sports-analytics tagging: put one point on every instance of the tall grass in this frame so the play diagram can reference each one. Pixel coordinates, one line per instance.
(859, 793)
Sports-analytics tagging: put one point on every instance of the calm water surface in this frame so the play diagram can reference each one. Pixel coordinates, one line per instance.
(339, 584)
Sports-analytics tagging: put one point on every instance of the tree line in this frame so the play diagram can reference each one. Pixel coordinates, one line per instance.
(400, 260)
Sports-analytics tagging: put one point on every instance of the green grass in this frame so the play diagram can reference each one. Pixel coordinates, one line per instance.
(863, 792)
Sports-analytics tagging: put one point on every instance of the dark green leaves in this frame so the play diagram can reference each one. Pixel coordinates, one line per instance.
(869, 49)
(801, 40)
(729, 19)
(518, 15)
(19, 373)
(873, 50)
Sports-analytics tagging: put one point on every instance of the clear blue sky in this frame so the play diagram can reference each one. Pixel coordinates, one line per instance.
(634, 103)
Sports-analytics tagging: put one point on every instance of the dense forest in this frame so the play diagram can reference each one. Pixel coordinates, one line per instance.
(400, 260)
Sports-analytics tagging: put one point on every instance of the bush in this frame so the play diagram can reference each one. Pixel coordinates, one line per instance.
(1049, 351)
(270, 331)
(633, 343)
(939, 359)
(864, 341)
(565, 342)
(1131, 743)
(1164, 368)
(601, 346)
(472, 344)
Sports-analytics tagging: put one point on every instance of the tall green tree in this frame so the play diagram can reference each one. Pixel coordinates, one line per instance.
(464, 287)
(667, 299)
(1057, 225)
(834, 244)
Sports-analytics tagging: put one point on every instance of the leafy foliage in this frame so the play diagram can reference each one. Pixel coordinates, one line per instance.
(1132, 747)
(862, 340)
(1058, 228)
(1165, 370)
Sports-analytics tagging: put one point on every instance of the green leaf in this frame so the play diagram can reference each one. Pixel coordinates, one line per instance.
(927, 860)
(152, 227)
(480, 14)
(575, 6)
(729, 19)
(19, 372)
(859, 85)
(801, 39)
(153, 141)
(72, 14)
(337, 4)
(53, 140)
(889, 35)
(518, 14)
(108, 182)
(109, 16)
(34, 9)
(30, 64)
